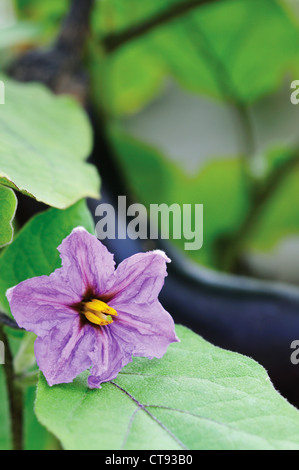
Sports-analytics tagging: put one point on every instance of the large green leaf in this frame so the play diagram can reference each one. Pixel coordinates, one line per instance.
(225, 49)
(8, 204)
(34, 250)
(229, 50)
(128, 87)
(45, 141)
(196, 397)
(36, 436)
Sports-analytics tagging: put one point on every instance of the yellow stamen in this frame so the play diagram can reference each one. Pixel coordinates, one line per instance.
(98, 312)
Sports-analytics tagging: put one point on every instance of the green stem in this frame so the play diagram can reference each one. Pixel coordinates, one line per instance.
(75, 28)
(114, 41)
(259, 200)
(15, 395)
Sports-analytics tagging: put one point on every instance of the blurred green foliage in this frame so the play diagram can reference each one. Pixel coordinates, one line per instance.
(235, 51)
(224, 209)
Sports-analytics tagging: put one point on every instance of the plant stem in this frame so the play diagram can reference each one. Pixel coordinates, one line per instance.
(74, 30)
(259, 199)
(60, 67)
(15, 396)
(7, 321)
(114, 41)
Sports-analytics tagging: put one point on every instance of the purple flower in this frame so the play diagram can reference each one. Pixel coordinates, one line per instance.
(89, 315)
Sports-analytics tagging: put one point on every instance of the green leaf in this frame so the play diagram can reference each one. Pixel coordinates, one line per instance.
(8, 205)
(135, 73)
(19, 33)
(196, 397)
(34, 250)
(36, 436)
(48, 15)
(25, 357)
(127, 88)
(224, 49)
(45, 141)
(228, 49)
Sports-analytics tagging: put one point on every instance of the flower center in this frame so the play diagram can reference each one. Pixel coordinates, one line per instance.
(98, 313)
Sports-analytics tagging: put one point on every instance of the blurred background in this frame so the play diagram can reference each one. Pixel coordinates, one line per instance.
(190, 104)
(196, 103)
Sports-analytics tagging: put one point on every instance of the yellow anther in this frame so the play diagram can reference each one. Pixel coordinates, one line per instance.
(98, 312)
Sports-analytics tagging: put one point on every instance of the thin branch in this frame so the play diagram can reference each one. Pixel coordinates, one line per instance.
(258, 203)
(7, 321)
(15, 395)
(60, 66)
(75, 28)
(225, 83)
(113, 41)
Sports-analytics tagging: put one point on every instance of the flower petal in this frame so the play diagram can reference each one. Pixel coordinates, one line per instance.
(147, 328)
(139, 278)
(64, 352)
(86, 262)
(40, 303)
(108, 358)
